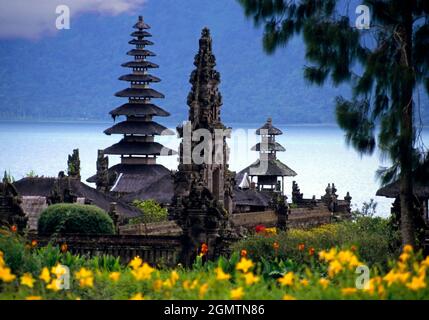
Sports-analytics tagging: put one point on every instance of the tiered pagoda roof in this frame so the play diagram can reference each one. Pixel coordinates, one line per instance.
(138, 128)
(267, 168)
(138, 149)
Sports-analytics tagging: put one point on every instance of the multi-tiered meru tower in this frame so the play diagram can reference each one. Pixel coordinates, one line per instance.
(137, 149)
(268, 169)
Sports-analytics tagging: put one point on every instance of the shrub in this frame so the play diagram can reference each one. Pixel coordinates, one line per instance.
(372, 238)
(151, 212)
(74, 218)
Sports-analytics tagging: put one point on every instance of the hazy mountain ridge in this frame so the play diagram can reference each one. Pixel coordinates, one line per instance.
(73, 75)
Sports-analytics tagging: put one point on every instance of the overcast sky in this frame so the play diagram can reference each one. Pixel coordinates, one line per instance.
(32, 19)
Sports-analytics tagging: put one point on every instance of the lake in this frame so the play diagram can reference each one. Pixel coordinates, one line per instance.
(318, 154)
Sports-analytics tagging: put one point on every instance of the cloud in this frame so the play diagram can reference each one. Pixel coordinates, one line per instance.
(30, 19)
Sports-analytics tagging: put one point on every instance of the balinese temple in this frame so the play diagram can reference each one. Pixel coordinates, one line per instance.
(267, 170)
(138, 149)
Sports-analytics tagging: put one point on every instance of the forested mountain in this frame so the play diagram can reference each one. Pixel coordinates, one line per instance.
(73, 74)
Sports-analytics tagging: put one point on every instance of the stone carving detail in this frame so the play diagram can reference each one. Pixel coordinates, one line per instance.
(203, 192)
(73, 165)
(104, 179)
(11, 213)
(297, 196)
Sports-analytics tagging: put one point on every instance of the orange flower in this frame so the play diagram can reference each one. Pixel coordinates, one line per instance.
(276, 246)
(353, 248)
(204, 249)
(14, 228)
(64, 247)
(243, 253)
(311, 251)
(301, 247)
(33, 243)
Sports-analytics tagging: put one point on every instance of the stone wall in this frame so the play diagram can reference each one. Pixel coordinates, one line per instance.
(33, 207)
(155, 250)
(298, 218)
(169, 228)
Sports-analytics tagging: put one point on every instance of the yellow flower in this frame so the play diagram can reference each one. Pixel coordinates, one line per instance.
(407, 248)
(221, 275)
(417, 283)
(372, 285)
(271, 230)
(203, 290)
(157, 284)
(27, 280)
(33, 298)
(194, 284)
(328, 256)
(6, 275)
(137, 296)
(288, 297)
(2, 263)
(324, 282)
(237, 294)
(244, 264)
(250, 278)
(136, 262)
(174, 277)
(334, 268)
(114, 276)
(45, 275)
(85, 277)
(348, 291)
(304, 282)
(59, 270)
(425, 262)
(144, 272)
(344, 256)
(404, 257)
(393, 276)
(54, 285)
(287, 279)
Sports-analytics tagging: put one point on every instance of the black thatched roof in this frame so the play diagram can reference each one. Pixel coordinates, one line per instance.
(141, 52)
(139, 78)
(160, 190)
(271, 146)
(43, 187)
(139, 109)
(392, 190)
(151, 181)
(139, 92)
(251, 197)
(38, 186)
(271, 129)
(147, 171)
(140, 64)
(141, 34)
(148, 128)
(274, 168)
(141, 42)
(138, 148)
(140, 24)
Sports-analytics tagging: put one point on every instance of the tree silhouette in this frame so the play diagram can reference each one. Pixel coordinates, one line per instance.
(385, 66)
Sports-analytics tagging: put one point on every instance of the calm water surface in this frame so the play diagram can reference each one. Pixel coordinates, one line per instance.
(317, 153)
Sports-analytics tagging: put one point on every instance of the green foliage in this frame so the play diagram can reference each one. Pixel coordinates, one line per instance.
(74, 219)
(16, 254)
(31, 174)
(373, 238)
(8, 177)
(368, 209)
(151, 212)
(21, 257)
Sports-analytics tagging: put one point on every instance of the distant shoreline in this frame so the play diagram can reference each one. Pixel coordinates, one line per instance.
(170, 123)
